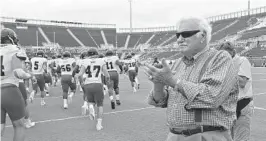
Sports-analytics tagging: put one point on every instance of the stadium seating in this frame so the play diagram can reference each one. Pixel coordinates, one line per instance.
(253, 33)
(110, 35)
(218, 25)
(83, 36)
(28, 36)
(134, 38)
(243, 29)
(145, 37)
(60, 35)
(256, 52)
(96, 35)
(121, 39)
(164, 38)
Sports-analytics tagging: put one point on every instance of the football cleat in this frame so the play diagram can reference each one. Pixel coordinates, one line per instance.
(99, 127)
(118, 102)
(112, 104)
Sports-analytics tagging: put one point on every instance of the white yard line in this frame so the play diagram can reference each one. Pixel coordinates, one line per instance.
(259, 94)
(259, 108)
(51, 97)
(259, 80)
(77, 117)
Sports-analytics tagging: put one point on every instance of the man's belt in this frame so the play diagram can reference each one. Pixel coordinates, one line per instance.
(200, 129)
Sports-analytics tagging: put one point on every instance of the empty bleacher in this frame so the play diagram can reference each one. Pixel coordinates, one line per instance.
(134, 38)
(168, 35)
(96, 35)
(253, 33)
(121, 39)
(145, 36)
(157, 37)
(110, 35)
(83, 36)
(28, 36)
(257, 52)
(92, 36)
(58, 34)
(218, 25)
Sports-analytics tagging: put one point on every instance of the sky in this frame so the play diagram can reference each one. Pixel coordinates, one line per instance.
(145, 13)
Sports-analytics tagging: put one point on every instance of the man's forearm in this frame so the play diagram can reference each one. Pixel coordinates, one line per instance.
(158, 97)
(159, 92)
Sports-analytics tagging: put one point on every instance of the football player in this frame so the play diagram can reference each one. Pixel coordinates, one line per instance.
(105, 88)
(93, 67)
(25, 90)
(137, 67)
(12, 102)
(57, 60)
(47, 76)
(131, 69)
(80, 82)
(67, 65)
(112, 65)
(54, 70)
(39, 66)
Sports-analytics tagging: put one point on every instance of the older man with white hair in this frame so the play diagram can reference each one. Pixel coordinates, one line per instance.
(200, 89)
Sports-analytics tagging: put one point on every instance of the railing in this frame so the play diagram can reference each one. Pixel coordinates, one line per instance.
(149, 29)
(55, 23)
(238, 14)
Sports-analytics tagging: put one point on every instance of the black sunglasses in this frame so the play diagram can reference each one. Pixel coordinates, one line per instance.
(186, 34)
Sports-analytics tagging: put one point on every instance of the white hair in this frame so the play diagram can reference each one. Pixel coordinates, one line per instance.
(202, 24)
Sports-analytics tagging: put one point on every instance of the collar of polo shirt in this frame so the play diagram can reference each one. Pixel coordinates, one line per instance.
(189, 61)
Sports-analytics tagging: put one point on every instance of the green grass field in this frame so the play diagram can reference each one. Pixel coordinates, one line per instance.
(134, 120)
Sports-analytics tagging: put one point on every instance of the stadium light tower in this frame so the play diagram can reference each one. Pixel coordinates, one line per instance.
(130, 14)
(248, 7)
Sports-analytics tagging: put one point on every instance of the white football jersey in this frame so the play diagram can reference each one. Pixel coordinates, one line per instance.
(9, 63)
(131, 63)
(56, 62)
(37, 65)
(50, 64)
(66, 66)
(111, 63)
(79, 62)
(93, 70)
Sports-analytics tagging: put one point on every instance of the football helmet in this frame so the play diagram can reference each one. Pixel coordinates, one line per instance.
(101, 55)
(109, 53)
(40, 53)
(92, 52)
(66, 54)
(129, 56)
(83, 55)
(53, 57)
(9, 36)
